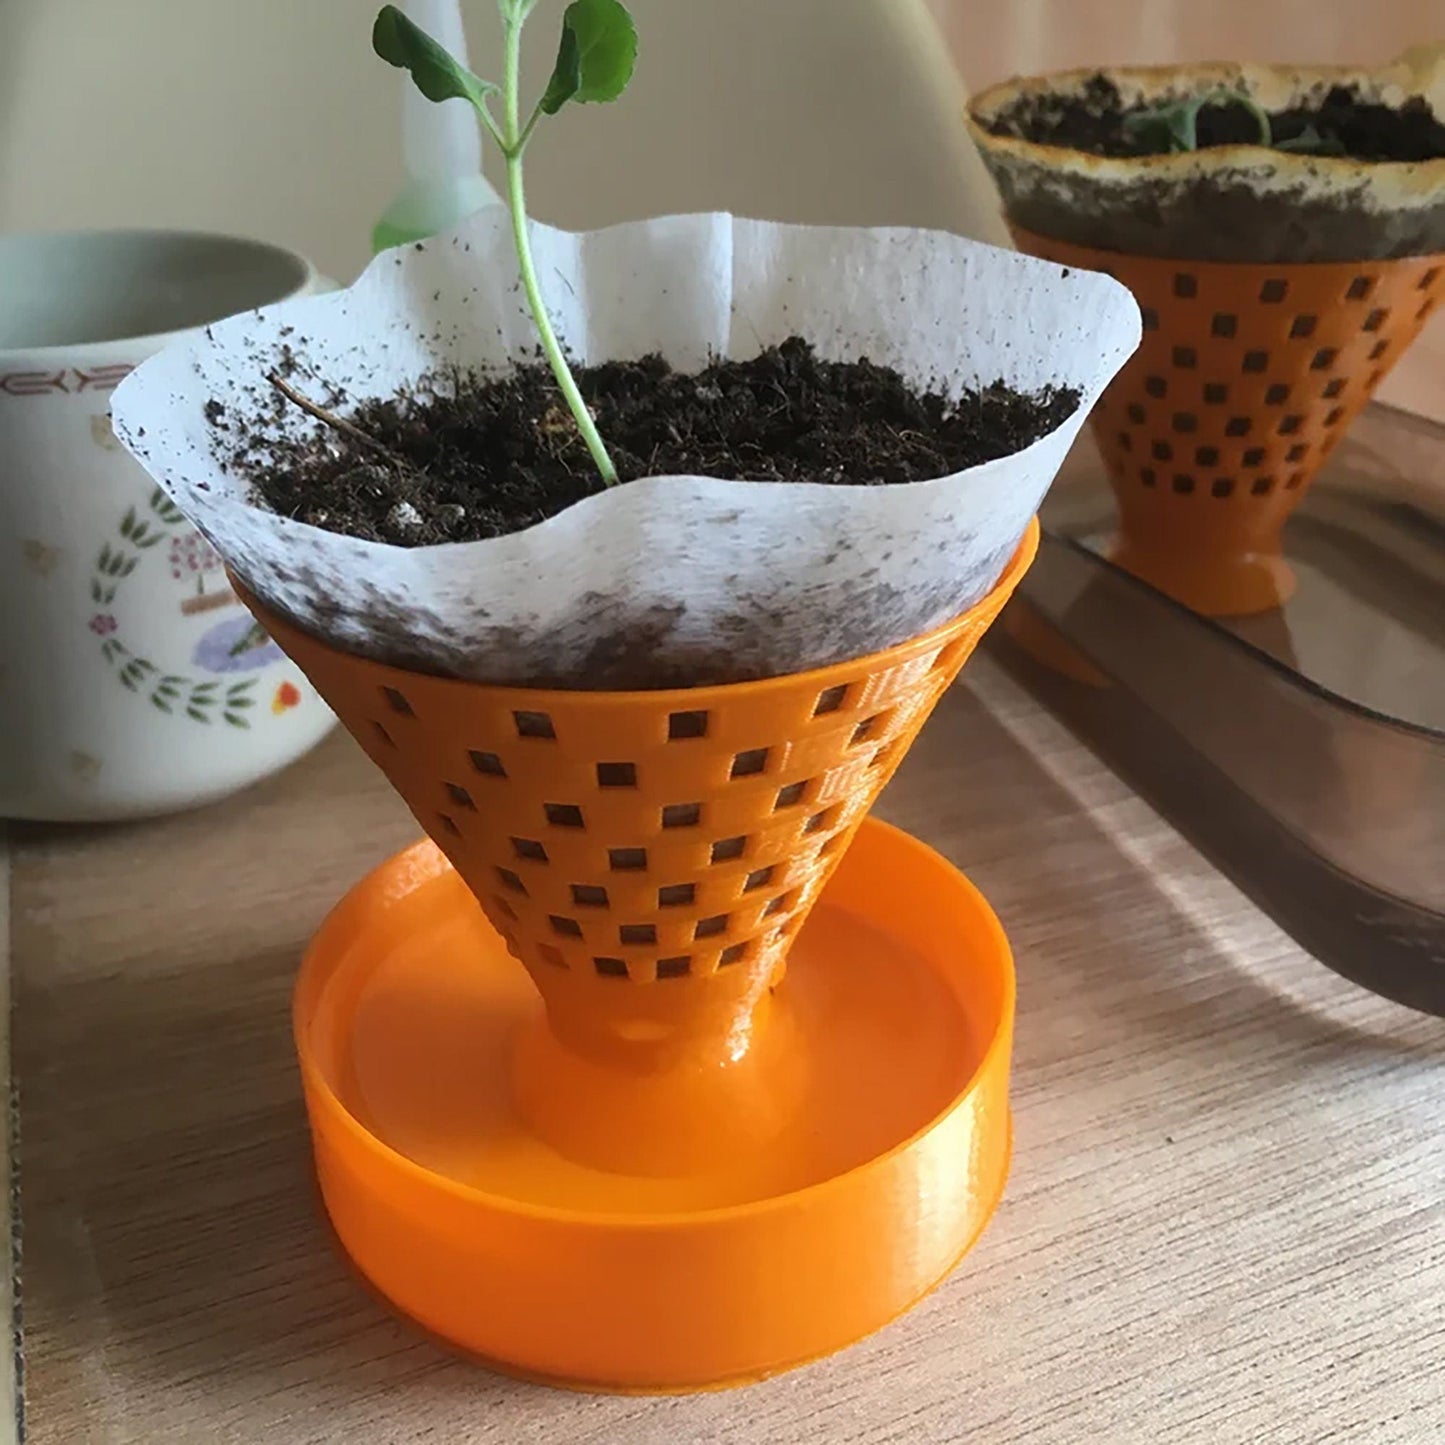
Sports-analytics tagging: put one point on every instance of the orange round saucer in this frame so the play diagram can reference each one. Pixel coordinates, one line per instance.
(876, 1151)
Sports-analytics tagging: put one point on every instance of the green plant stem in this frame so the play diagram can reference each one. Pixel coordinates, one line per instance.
(515, 142)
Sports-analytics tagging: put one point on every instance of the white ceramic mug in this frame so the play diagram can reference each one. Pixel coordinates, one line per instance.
(132, 682)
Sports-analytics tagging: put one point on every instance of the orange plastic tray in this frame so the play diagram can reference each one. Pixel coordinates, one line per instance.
(874, 1153)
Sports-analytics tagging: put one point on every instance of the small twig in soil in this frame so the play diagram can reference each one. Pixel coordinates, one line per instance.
(338, 423)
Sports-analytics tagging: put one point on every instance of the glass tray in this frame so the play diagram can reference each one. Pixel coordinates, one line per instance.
(1302, 751)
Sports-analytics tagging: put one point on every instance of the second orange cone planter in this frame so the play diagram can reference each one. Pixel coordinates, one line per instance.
(1246, 378)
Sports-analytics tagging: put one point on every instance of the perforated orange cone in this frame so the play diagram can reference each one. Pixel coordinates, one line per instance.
(1246, 378)
(671, 1143)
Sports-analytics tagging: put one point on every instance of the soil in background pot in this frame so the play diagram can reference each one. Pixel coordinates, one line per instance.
(1093, 119)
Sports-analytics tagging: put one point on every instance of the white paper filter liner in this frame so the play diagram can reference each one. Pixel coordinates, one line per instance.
(668, 580)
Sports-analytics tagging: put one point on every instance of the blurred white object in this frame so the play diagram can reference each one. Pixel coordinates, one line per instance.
(441, 145)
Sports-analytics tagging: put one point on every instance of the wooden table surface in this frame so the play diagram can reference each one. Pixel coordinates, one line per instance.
(1224, 1224)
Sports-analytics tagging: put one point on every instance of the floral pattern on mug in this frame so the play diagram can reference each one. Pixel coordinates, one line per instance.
(236, 645)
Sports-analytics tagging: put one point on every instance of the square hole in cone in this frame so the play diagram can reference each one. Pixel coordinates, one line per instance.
(883, 756)
(1289, 425)
(1215, 393)
(1262, 486)
(610, 967)
(748, 764)
(1238, 426)
(1378, 350)
(550, 955)
(1125, 441)
(1428, 279)
(530, 849)
(448, 824)
(563, 815)
(503, 907)
(726, 849)
(733, 953)
(1184, 421)
(627, 860)
(758, 878)
(1375, 320)
(832, 845)
(866, 729)
(1185, 285)
(789, 795)
(1206, 456)
(1224, 324)
(1253, 456)
(1255, 361)
(1222, 487)
(1148, 476)
(1297, 452)
(1334, 388)
(681, 725)
(1148, 318)
(533, 725)
(488, 764)
(1162, 452)
(1274, 290)
(589, 895)
(676, 895)
(382, 736)
(1333, 418)
(1156, 386)
(1323, 359)
(461, 797)
(616, 775)
(776, 905)
(711, 927)
(1277, 394)
(511, 880)
(822, 820)
(1137, 413)
(1185, 357)
(682, 815)
(830, 699)
(397, 702)
(1360, 288)
(637, 933)
(1303, 326)
(567, 927)
(1294, 481)
(1183, 483)
(674, 967)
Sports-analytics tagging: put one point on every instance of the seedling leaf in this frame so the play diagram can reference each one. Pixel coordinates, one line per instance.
(401, 43)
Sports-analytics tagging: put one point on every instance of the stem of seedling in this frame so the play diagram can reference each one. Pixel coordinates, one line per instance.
(594, 63)
(515, 144)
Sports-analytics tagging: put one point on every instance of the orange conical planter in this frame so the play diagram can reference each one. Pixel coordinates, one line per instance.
(1246, 378)
(640, 1170)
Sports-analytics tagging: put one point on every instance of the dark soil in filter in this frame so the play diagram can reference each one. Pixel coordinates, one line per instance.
(1093, 120)
(471, 457)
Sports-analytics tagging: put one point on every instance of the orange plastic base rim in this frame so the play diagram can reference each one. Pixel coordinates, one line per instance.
(891, 1037)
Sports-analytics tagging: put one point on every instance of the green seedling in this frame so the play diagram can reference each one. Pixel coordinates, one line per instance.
(1174, 127)
(595, 61)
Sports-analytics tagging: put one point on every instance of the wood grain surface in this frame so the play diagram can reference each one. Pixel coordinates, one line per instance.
(1225, 1220)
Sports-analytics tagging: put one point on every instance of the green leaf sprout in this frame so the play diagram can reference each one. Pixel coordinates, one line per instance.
(1174, 128)
(595, 61)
